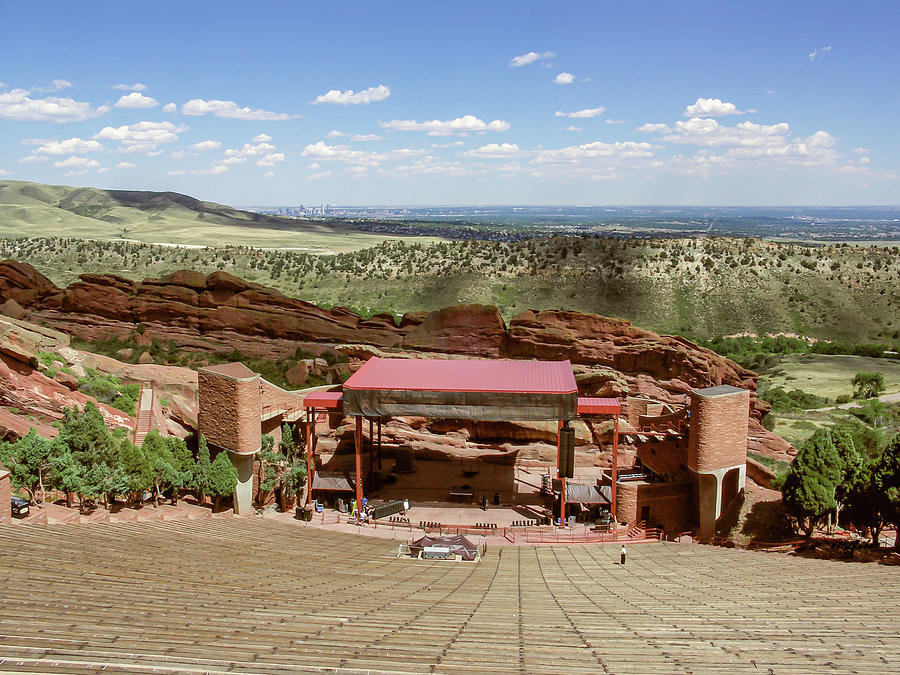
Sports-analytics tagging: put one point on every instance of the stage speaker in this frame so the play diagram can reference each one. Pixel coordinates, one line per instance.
(567, 452)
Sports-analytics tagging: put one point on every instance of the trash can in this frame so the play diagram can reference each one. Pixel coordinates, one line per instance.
(298, 513)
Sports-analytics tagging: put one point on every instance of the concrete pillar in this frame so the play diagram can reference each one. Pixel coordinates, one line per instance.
(243, 491)
(710, 503)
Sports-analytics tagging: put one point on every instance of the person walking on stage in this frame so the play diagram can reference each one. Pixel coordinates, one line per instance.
(622, 555)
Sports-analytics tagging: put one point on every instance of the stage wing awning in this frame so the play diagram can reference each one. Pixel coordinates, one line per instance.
(588, 494)
(463, 389)
(599, 406)
(329, 400)
(333, 482)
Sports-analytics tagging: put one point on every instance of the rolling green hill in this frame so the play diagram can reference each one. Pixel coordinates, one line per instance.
(39, 210)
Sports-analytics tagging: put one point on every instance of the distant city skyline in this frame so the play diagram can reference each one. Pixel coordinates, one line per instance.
(410, 103)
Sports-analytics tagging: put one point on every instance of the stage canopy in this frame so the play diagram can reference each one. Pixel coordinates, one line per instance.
(463, 389)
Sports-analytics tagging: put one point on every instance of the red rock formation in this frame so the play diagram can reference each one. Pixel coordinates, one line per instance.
(476, 330)
(221, 312)
(33, 393)
(193, 304)
(616, 343)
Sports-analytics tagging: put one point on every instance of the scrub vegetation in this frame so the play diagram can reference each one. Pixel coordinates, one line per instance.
(702, 288)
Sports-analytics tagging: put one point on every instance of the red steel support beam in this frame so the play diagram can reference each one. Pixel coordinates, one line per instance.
(615, 468)
(357, 437)
(562, 491)
(310, 434)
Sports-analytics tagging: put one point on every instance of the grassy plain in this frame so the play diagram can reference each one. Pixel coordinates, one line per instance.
(163, 218)
(829, 375)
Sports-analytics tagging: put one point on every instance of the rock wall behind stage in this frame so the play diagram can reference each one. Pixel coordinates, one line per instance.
(220, 312)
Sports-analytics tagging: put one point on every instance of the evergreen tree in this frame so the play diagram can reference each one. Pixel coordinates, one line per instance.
(201, 473)
(86, 436)
(811, 482)
(270, 462)
(162, 464)
(851, 469)
(28, 461)
(223, 477)
(183, 462)
(287, 441)
(66, 473)
(886, 480)
(138, 474)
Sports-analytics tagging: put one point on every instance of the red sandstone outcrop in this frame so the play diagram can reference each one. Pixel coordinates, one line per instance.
(33, 393)
(201, 304)
(222, 312)
(616, 343)
(476, 330)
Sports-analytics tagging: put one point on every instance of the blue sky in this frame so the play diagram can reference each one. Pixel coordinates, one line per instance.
(286, 103)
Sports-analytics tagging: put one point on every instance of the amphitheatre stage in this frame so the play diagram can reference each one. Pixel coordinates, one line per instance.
(253, 595)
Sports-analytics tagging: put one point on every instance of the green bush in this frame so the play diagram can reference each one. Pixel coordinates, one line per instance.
(110, 390)
(795, 399)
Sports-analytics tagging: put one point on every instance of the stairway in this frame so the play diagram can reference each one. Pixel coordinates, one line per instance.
(144, 414)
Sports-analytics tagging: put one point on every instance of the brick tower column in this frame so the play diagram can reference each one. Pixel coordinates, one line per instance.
(229, 419)
(717, 446)
(5, 493)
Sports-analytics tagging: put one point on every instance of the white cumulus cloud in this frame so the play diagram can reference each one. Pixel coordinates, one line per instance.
(19, 106)
(250, 150)
(529, 57)
(494, 150)
(229, 110)
(141, 136)
(653, 127)
(460, 125)
(581, 114)
(137, 86)
(74, 162)
(365, 138)
(136, 100)
(69, 146)
(564, 78)
(271, 159)
(170, 108)
(350, 97)
(205, 145)
(262, 138)
(125, 165)
(56, 85)
(711, 107)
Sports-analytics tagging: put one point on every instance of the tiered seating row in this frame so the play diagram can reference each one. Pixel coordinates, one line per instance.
(254, 595)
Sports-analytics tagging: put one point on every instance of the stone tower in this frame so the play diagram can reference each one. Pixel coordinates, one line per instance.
(717, 449)
(230, 410)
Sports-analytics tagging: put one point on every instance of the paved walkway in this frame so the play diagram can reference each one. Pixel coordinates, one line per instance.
(258, 596)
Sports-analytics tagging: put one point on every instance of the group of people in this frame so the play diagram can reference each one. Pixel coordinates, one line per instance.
(363, 514)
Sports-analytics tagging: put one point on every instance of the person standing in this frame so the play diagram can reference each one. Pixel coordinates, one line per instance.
(622, 555)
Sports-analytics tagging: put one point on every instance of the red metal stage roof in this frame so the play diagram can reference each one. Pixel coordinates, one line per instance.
(330, 400)
(599, 406)
(465, 375)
